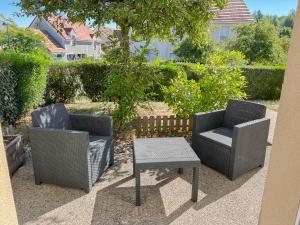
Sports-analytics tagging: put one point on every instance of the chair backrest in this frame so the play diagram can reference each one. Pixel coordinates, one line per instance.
(53, 116)
(238, 112)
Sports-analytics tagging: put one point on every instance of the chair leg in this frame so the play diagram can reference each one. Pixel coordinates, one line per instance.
(37, 182)
(180, 171)
(88, 188)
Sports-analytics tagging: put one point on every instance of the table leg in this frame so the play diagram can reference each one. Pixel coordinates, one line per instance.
(133, 165)
(195, 184)
(138, 187)
(180, 170)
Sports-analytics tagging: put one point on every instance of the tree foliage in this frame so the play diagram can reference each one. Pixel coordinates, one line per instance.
(162, 19)
(260, 42)
(190, 51)
(22, 40)
(284, 24)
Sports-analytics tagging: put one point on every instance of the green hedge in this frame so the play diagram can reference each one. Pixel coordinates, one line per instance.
(23, 81)
(264, 83)
(69, 80)
(63, 84)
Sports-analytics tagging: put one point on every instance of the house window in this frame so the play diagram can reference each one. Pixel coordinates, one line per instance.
(71, 57)
(224, 33)
(80, 56)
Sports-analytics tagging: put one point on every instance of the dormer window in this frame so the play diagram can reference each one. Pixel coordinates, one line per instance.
(73, 40)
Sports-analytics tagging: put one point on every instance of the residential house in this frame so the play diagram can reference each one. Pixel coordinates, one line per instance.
(68, 41)
(222, 29)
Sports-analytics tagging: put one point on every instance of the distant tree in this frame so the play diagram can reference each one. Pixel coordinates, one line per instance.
(258, 15)
(284, 24)
(259, 42)
(190, 51)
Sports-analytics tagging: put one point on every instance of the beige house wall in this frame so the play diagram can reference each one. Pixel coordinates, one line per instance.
(8, 214)
(282, 191)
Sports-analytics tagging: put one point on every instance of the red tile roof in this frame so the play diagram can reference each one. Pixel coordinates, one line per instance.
(51, 44)
(64, 27)
(235, 12)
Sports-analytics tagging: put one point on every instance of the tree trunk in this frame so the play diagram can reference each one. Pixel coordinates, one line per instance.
(125, 40)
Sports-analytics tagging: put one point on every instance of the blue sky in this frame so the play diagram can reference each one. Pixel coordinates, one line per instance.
(279, 7)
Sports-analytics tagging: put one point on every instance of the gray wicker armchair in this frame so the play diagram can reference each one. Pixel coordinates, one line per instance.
(68, 149)
(232, 141)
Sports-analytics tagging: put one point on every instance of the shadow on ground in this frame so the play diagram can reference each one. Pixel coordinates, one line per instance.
(115, 204)
(165, 196)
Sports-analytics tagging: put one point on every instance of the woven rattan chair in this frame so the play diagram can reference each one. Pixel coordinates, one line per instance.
(68, 149)
(232, 141)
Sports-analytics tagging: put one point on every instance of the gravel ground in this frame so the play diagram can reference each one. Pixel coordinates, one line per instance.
(165, 197)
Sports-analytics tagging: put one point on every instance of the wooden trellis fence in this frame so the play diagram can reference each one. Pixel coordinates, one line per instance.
(162, 125)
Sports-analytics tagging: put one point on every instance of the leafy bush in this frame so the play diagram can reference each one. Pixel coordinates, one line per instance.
(189, 51)
(63, 83)
(264, 82)
(128, 84)
(165, 72)
(93, 76)
(221, 79)
(259, 42)
(29, 82)
(8, 102)
(183, 96)
(89, 79)
(23, 41)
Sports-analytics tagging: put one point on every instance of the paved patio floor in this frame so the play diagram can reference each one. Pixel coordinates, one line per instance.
(165, 198)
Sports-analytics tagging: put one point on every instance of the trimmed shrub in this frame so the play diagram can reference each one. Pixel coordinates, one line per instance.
(66, 81)
(166, 72)
(8, 104)
(28, 78)
(264, 83)
(63, 83)
(93, 77)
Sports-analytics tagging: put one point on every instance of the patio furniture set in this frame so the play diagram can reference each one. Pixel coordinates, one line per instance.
(75, 150)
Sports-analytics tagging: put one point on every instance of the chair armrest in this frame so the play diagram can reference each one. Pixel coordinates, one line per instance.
(207, 121)
(60, 156)
(55, 139)
(95, 125)
(249, 143)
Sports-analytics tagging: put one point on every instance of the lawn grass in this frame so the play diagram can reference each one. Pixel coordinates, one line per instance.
(153, 109)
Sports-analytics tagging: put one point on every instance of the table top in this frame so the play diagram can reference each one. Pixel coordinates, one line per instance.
(163, 150)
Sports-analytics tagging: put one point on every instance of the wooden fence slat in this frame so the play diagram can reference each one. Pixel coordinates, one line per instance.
(165, 124)
(151, 122)
(190, 123)
(145, 125)
(184, 123)
(177, 123)
(172, 121)
(138, 126)
(158, 124)
(162, 125)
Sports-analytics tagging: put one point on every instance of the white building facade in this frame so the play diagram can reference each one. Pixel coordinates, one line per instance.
(67, 41)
